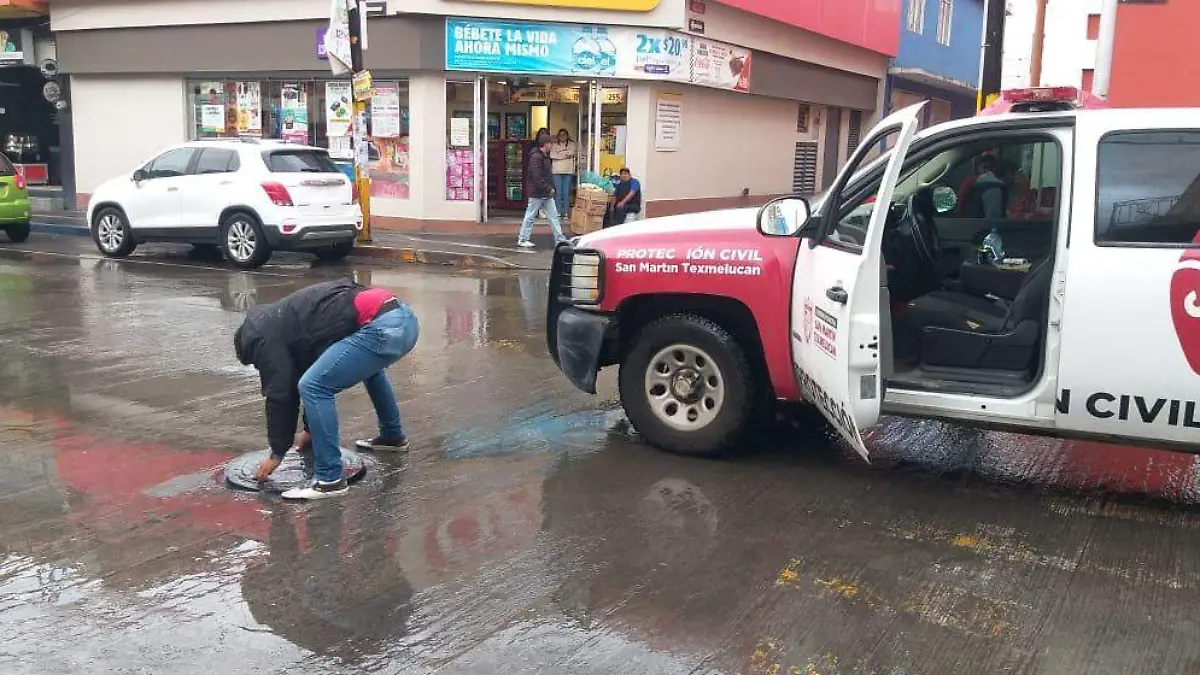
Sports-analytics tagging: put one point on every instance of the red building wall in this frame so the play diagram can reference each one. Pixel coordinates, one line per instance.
(872, 24)
(1155, 60)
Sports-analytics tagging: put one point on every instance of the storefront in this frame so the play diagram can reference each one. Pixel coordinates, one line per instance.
(700, 122)
(29, 89)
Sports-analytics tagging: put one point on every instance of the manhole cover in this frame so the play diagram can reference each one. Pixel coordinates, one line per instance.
(295, 471)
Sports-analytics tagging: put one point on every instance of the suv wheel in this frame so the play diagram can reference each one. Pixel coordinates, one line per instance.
(243, 241)
(110, 231)
(335, 252)
(18, 232)
(688, 387)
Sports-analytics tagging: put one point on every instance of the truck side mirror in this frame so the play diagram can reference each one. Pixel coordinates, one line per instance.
(140, 175)
(783, 217)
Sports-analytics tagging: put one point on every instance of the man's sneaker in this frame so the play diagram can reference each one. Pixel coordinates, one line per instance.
(525, 244)
(318, 490)
(384, 444)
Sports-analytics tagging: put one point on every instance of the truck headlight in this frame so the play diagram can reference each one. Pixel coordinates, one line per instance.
(585, 277)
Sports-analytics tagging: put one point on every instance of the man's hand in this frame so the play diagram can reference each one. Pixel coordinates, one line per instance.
(267, 468)
(303, 440)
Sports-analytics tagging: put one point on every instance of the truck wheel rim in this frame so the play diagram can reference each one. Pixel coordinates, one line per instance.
(241, 240)
(110, 233)
(684, 386)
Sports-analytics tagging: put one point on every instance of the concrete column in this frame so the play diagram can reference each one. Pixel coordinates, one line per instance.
(1104, 48)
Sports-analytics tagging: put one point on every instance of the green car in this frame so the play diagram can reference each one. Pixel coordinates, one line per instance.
(14, 202)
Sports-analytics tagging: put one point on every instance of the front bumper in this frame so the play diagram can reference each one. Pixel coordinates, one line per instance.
(307, 238)
(575, 337)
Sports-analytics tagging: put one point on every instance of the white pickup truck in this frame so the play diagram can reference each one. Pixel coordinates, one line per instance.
(876, 298)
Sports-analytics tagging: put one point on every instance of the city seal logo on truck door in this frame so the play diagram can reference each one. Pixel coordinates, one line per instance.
(1185, 306)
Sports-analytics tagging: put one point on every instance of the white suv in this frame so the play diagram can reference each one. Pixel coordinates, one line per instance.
(248, 197)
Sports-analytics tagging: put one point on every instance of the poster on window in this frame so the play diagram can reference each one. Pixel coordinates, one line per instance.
(249, 108)
(720, 65)
(294, 113)
(212, 118)
(338, 115)
(389, 173)
(460, 175)
(385, 110)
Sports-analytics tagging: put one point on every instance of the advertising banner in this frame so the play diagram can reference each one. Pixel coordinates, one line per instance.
(720, 65)
(526, 48)
(560, 49)
(606, 5)
(294, 107)
(338, 118)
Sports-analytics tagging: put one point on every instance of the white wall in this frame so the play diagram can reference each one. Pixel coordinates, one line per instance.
(121, 122)
(728, 142)
(85, 14)
(731, 25)
(1066, 53)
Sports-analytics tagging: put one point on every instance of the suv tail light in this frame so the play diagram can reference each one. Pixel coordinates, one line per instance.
(278, 193)
(20, 181)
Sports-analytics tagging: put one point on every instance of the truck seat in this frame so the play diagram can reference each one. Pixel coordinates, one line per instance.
(957, 330)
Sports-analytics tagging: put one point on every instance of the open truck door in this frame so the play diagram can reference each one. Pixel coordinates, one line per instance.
(841, 321)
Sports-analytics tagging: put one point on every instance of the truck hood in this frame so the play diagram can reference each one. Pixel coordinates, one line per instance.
(708, 224)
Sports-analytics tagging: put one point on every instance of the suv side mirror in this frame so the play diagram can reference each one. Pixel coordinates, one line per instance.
(140, 175)
(783, 217)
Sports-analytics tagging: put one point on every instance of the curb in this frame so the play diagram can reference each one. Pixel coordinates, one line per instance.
(392, 254)
(60, 228)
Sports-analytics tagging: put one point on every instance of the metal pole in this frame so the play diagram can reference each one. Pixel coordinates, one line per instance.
(1039, 44)
(990, 66)
(362, 176)
(1104, 48)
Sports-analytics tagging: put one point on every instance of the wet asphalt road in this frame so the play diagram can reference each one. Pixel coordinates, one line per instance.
(529, 531)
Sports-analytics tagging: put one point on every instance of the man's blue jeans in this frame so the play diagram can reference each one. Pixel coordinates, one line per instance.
(363, 357)
(562, 192)
(544, 204)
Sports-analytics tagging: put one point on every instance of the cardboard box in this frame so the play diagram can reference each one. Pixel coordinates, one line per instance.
(583, 221)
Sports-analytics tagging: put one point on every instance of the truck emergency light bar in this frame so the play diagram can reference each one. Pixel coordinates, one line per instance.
(1043, 99)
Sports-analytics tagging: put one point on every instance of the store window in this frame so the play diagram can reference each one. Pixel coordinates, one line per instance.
(460, 141)
(310, 112)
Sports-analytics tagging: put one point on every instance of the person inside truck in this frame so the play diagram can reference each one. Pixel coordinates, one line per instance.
(984, 195)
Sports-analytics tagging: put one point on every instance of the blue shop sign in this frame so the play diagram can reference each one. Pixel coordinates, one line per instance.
(530, 48)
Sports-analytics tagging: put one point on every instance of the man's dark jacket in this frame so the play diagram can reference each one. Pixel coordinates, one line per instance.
(283, 338)
(541, 181)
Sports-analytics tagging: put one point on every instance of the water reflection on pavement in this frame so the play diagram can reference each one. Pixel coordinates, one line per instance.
(529, 530)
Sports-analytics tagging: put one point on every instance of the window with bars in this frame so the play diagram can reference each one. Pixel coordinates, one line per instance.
(854, 133)
(916, 16)
(945, 20)
(804, 169)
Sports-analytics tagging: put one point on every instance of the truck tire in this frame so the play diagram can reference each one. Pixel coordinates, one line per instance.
(688, 387)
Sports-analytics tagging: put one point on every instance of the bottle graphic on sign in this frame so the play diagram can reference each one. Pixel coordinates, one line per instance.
(607, 60)
(586, 55)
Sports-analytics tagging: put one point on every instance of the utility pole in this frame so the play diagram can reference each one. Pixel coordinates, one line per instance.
(1104, 48)
(1039, 45)
(362, 175)
(992, 56)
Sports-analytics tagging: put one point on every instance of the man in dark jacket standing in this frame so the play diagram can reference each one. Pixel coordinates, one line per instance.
(309, 346)
(540, 184)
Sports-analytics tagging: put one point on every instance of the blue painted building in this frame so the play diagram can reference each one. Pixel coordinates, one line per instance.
(938, 59)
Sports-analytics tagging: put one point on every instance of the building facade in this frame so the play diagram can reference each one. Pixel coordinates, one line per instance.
(707, 103)
(1069, 46)
(29, 87)
(938, 58)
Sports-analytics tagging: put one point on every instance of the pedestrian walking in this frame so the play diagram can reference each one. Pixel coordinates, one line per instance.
(540, 185)
(562, 156)
(312, 344)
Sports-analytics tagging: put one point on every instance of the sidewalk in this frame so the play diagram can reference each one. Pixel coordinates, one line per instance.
(469, 250)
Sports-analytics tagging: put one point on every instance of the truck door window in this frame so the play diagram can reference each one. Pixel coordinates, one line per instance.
(1148, 188)
(854, 205)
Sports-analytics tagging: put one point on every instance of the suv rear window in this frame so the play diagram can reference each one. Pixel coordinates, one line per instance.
(299, 161)
(6, 167)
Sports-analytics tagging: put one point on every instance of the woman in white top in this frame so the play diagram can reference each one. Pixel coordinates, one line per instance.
(562, 154)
